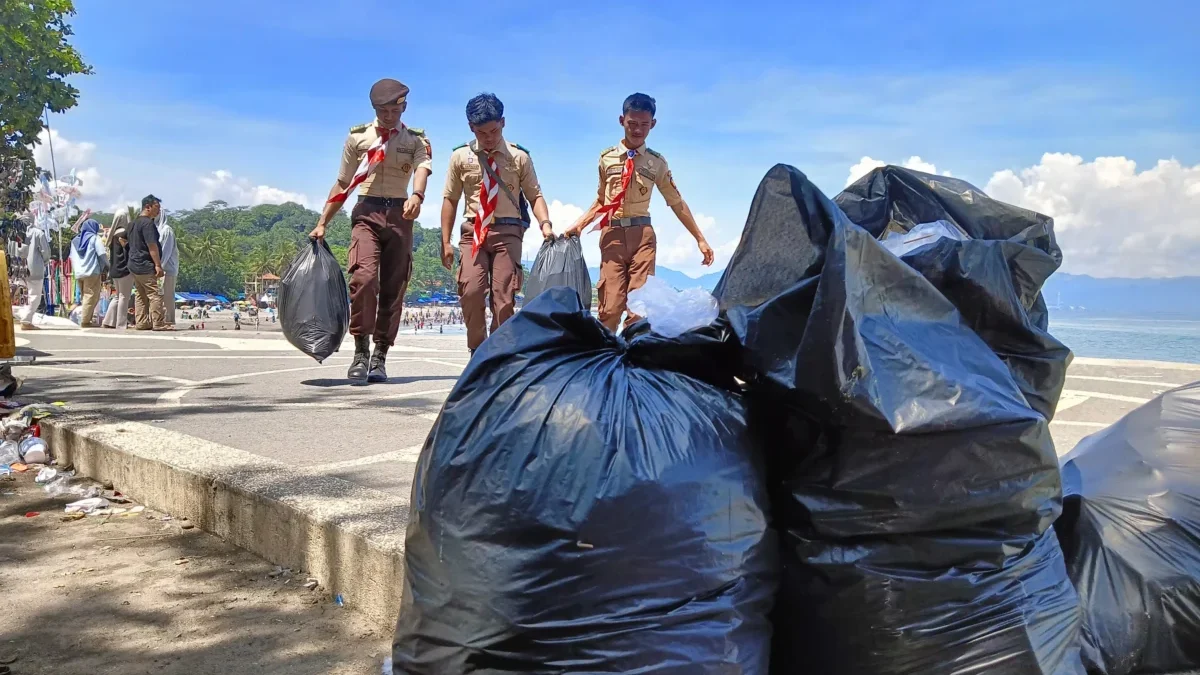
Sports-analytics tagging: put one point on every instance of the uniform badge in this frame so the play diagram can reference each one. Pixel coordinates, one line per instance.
(406, 168)
(510, 187)
(470, 159)
(643, 189)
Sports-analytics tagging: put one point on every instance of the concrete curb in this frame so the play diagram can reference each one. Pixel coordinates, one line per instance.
(349, 537)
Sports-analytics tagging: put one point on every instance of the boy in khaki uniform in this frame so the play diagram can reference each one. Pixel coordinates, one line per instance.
(629, 172)
(379, 158)
(499, 183)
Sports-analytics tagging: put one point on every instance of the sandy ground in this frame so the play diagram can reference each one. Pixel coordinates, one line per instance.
(110, 595)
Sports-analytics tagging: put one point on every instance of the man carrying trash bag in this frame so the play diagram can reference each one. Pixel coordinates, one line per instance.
(379, 157)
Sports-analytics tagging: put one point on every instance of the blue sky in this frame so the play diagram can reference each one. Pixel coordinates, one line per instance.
(265, 91)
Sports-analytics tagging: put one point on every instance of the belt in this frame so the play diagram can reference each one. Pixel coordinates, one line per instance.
(629, 222)
(387, 202)
(504, 221)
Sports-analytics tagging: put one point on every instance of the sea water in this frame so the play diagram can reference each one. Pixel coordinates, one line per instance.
(1129, 338)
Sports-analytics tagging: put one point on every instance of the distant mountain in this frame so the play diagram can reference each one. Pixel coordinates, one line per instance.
(676, 278)
(1177, 297)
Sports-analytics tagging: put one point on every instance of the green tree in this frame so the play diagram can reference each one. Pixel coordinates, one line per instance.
(35, 60)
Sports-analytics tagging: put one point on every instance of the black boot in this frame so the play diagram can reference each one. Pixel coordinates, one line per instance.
(378, 371)
(362, 352)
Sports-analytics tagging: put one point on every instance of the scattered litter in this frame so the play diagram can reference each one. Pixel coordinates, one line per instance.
(33, 514)
(311, 584)
(34, 451)
(187, 526)
(182, 561)
(20, 468)
(279, 571)
(158, 421)
(45, 475)
(387, 666)
(337, 600)
(5, 470)
(73, 516)
(137, 509)
(9, 452)
(88, 505)
(166, 518)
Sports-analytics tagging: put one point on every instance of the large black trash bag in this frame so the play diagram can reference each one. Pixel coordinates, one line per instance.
(579, 508)
(1130, 531)
(560, 263)
(314, 305)
(913, 482)
(994, 277)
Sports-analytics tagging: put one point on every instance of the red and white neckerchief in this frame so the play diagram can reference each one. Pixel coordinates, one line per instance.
(605, 213)
(489, 190)
(372, 159)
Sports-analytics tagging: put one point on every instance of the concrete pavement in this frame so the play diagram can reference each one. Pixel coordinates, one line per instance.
(282, 456)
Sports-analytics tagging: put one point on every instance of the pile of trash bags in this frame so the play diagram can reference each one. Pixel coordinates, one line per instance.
(560, 262)
(314, 303)
(1130, 531)
(846, 469)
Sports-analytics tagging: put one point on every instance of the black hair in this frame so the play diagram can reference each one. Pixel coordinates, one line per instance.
(640, 102)
(484, 108)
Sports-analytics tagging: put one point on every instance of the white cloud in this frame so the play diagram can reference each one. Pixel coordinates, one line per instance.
(868, 164)
(1110, 218)
(67, 154)
(563, 216)
(224, 186)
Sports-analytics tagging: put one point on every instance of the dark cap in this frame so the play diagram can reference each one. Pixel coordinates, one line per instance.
(150, 199)
(388, 92)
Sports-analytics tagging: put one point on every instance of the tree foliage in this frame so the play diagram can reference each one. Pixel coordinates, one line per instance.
(35, 60)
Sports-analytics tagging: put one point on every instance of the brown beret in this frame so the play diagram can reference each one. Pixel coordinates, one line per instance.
(387, 92)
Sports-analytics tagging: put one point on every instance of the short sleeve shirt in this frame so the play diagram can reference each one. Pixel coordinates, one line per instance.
(650, 171)
(407, 151)
(142, 234)
(514, 166)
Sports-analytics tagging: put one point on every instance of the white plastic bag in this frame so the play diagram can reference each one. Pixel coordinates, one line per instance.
(673, 313)
(924, 234)
(9, 452)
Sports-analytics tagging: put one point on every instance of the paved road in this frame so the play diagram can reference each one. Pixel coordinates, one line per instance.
(257, 393)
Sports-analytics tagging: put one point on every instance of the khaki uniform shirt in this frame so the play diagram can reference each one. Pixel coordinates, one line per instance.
(514, 167)
(649, 169)
(407, 150)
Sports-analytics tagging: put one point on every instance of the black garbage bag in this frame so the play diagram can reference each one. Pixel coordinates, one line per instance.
(560, 263)
(314, 305)
(994, 276)
(1130, 531)
(578, 508)
(913, 482)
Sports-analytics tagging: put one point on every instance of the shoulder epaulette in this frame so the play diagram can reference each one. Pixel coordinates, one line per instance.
(521, 148)
(654, 153)
(359, 129)
(612, 149)
(417, 130)
(459, 147)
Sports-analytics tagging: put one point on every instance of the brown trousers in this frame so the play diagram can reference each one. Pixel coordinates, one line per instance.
(148, 303)
(627, 257)
(381, 243)
(494, 271)
(89, 288)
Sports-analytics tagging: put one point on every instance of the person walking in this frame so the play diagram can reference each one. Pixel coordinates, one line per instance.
(145, 264)
(629, 172)
(170, 265)
(499, 184)
(117, 316)
(37, 257)
(88, 261)
(378, 159)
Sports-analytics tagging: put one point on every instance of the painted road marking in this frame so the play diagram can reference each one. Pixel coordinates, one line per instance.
(1121, 380)
(113, 373)
(1123, 363)
(1106, 396)
(410, 454)
(1070, 423)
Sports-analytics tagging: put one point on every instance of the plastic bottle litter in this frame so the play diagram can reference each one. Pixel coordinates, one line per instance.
(46, 475)
(88, 505)
(10, 452)
(672, 313)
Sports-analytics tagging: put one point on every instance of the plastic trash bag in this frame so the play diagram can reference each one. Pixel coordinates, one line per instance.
(9, 452)
(913, 482)
(991, 264)
(1130, 531)
(314, 305)
(560, 263)
(578, 507)
(672, 313)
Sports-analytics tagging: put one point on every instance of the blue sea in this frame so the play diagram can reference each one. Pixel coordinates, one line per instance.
(1129, 338)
